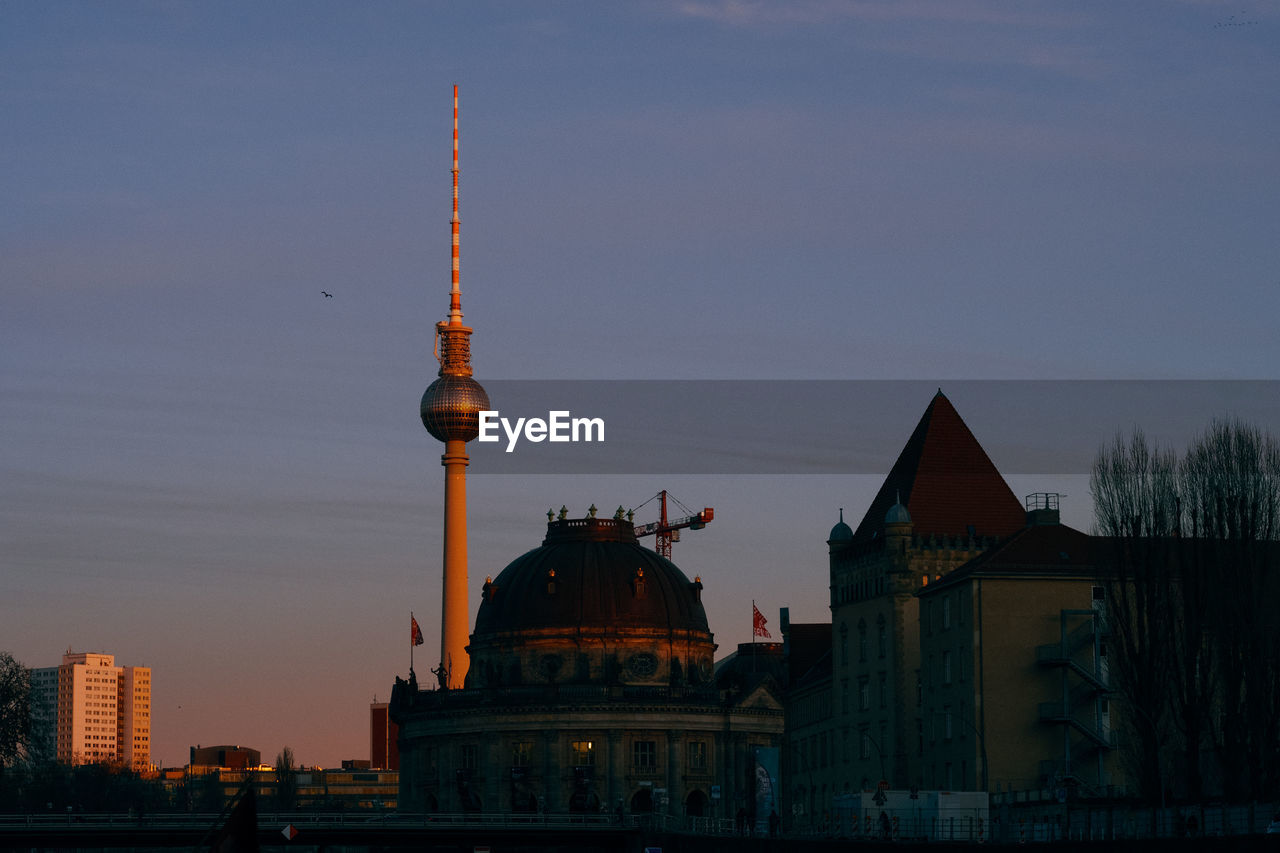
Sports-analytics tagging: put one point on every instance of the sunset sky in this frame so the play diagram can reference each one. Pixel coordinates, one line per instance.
(210, 469)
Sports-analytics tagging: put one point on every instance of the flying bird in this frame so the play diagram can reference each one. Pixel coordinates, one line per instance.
(1232, 22)
(327, 294)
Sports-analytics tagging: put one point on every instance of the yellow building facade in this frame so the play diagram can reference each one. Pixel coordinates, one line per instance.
(1016, 690)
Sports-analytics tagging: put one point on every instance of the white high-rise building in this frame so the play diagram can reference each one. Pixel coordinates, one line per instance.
(88, 711)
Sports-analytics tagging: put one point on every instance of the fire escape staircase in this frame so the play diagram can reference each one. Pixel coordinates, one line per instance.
(1084, 681)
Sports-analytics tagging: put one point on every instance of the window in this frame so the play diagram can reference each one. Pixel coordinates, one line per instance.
(697, 751)
(521, 754)
(467, 759)
(862, 640)
(644, 754)
(865, 753)
(884, 691)
(844, 644)
(864, 695)
(844, 695)
(883, 638)
(946, 716)
(946, 612)
(946, 667)
(584, 753)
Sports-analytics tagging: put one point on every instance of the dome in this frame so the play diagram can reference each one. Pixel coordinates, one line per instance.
(897, 514)
(591, 573)
(841, 532)
(451, 406)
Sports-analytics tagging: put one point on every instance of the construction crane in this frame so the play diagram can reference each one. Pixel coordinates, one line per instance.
(667, 530)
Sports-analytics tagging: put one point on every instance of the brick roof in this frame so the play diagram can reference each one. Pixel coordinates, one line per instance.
(1037, 551)
(1042, 548)
(947, 482)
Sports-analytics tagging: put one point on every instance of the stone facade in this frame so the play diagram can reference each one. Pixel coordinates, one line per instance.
(942, 504)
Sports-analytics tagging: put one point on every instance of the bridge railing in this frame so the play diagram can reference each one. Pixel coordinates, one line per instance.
(336, 819)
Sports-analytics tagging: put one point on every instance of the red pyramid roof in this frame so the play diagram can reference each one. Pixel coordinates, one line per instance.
(946, 481)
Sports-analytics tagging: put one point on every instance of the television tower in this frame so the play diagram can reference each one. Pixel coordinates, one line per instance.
(450, 410)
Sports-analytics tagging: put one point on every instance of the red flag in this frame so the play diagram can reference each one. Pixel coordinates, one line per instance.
(415, 633)
(758, 622)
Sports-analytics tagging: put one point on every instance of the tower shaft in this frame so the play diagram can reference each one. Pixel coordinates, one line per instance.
(454, 629)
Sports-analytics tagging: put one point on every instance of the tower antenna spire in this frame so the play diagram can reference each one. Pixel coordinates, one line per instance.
(455, 294)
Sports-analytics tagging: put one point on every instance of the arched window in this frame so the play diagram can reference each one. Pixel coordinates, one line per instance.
(862, 639)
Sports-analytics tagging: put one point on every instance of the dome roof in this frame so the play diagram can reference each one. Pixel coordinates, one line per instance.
(590, 573)
(841, 532)
(897, 514)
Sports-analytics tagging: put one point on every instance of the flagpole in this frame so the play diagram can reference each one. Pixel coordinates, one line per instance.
(411, 642)
(753, 635)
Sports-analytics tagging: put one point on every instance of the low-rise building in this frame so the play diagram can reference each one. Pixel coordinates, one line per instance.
(1015, 686)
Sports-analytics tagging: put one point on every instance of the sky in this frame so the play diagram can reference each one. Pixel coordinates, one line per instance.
(211, 469)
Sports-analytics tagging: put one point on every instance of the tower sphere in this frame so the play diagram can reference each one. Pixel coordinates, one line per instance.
(451, 407)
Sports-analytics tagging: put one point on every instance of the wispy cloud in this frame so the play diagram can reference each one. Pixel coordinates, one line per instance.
(760, 13)
(1021, 35)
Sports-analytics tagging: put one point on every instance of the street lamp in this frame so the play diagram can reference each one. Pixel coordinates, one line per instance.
(982, 743)
(866, 733)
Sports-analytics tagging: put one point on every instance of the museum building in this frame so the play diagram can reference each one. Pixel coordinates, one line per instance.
(592, 687)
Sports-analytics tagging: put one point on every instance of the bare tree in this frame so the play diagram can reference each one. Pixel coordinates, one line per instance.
(286, 781)
(1230, 483)
(1132, 483)
(1195, 604)
(15, 710)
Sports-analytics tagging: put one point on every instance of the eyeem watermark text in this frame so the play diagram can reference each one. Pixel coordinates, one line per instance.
(559, 426)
